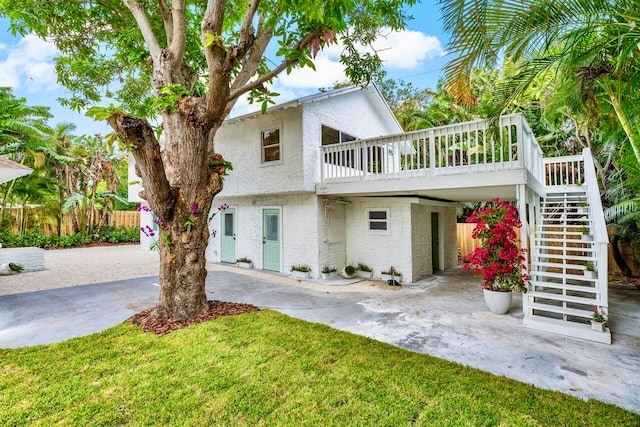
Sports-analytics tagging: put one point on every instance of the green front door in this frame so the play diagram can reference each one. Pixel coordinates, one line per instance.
(271, 239)
(228, 241)
(435, 241)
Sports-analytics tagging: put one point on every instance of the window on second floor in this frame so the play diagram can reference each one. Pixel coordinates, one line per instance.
(334, 136)
(270, 145)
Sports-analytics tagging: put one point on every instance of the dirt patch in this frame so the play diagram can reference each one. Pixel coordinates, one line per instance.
(164, 325)
(634, 281)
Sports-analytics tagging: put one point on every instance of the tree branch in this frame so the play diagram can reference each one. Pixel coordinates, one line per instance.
(246, 30)
(215, 55)
(167, 19)
(179, 40)
(303, 43)
(148, 162)
(251, 64)
(138, 12)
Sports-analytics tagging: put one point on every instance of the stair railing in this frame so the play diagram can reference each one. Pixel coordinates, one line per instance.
(600, 236)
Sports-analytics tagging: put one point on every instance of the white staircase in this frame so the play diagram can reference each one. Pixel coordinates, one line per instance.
(562, 294)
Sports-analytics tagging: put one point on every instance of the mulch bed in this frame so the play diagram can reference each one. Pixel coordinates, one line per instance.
(164, 325)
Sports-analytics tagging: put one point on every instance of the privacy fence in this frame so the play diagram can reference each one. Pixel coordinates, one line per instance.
(466, 245)
(34, 218)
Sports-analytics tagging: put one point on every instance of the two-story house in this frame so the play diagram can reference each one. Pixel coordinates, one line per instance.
(331, 179)
(277, 219)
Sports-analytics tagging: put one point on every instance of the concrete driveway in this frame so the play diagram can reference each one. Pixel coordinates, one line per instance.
(443, 316)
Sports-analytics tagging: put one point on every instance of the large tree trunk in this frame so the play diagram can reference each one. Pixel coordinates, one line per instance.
(179, 183)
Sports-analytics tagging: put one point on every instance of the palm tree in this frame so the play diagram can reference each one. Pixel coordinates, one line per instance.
(23, 132)
(592, 42)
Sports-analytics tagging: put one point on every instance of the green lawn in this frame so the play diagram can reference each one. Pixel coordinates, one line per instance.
(265, 368)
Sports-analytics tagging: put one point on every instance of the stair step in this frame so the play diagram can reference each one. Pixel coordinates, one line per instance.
(562, 248)
(575, 288)
(562, 275)
(565, 257)
(565, 298)
(562, 310)
(557, 265)
(571, 329)
(552, 239)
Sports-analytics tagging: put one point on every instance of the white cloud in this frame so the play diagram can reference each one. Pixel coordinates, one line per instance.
(328, 71)
(400, 50)
(29, 65)
(407, 49)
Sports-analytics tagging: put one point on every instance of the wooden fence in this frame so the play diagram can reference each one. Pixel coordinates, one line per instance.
(34, 218)
(466, 243)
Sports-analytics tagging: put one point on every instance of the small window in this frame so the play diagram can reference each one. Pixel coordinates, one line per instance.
(271, 145)
(378, 220)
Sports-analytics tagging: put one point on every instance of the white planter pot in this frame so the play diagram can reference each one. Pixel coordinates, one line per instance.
(598, 326)
(245, 264)
(300, 274)
(583, 210)
(387, 277)
(498, 302)
(591, 274)
(587, 237)
(364, 274)
(347, 276)
(328, 276)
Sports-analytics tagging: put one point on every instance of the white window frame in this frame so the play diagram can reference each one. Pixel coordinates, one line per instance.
(262, 147)
(386, 221)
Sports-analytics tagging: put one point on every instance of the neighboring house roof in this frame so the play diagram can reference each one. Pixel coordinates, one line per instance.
(319, 97)
(10, 170)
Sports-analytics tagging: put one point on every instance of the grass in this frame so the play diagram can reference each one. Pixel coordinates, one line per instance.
(265, 368)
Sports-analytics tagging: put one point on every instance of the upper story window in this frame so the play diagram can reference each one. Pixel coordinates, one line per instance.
(271, 145)
(333, 136)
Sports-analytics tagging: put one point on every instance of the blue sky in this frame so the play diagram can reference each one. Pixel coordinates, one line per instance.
(416, 55)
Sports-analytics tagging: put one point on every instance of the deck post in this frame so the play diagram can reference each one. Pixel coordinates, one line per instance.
(432, 150)
(365, 160)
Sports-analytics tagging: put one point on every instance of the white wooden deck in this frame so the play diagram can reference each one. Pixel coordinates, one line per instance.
(454, 162)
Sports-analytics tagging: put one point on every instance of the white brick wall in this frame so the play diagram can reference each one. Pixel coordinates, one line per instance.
(378, 250)
(299, 229)
(240, 142)
(32, 259)
(421, 238)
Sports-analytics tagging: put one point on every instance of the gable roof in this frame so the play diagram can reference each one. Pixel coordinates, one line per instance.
(10, 170)
(320, 96)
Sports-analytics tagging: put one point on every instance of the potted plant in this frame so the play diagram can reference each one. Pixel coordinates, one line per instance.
(328, 272)
(301, 271)
(498, 261)
(364, 270)
(590, 270)
(583, 207)
(585, 234)
(349, 271)
(391, 274)
(598, 320)
(244, 262)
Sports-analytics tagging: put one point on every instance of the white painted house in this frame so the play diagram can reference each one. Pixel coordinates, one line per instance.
(331, 179)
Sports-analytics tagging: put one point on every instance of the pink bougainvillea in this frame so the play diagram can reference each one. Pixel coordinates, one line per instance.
(499, 262)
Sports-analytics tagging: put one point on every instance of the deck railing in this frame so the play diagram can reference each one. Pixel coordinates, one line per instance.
(564, 171)
(459, 148)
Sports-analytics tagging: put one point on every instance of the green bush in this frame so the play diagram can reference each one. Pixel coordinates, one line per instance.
(35, 238)
(120, 235)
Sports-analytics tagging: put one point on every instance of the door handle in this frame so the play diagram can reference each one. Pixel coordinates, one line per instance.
(234, 236)
(264, 240)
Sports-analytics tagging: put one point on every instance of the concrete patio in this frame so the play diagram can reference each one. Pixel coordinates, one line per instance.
(443, 316)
